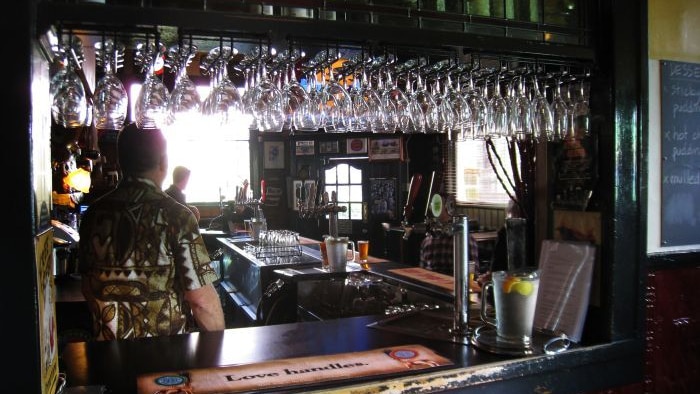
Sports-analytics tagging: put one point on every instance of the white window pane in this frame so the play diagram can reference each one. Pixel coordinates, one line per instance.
(356, 211)
(343, 193)
(343, 174)
(330, 177)
(355, 175)
(355, 193)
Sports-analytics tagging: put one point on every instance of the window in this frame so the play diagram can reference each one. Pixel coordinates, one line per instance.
(476, 181)
(346, 181)
(219, 157)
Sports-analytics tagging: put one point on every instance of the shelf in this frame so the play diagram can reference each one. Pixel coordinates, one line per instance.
(119, 19)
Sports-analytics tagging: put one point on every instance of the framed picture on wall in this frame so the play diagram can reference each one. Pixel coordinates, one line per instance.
(386, 149)
(304, 148)
(356, 145)
(328, 147)
(273, 155)
(383, 195)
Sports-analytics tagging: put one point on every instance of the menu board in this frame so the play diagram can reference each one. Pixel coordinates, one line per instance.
(680, 153)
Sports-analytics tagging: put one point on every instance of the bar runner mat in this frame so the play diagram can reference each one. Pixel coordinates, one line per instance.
(292, 372)
(434, 278)
(446, 282)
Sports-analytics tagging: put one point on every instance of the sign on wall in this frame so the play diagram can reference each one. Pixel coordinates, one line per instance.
(680, 153)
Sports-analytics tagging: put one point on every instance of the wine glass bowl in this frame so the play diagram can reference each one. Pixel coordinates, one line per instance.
(110, 102)
(151, 107)
(69, 106)
(184, 101)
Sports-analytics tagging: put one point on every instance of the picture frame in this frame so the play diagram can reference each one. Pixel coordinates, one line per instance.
(326, 147)
(383, 197)
(273, 155)
(356, 145)
(386, 149)
(304, 148)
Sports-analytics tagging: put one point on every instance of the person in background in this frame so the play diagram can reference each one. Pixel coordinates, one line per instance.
(181, 175)
(436, 249)
(145, 268)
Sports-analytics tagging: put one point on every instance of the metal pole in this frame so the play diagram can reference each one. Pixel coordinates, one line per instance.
(460, 237)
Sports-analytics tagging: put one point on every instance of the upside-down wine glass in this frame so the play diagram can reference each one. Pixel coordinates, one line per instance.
(111, 102)
(69, 106)
(543, 125)
(184, 101)
(223, 105)
(151, 107)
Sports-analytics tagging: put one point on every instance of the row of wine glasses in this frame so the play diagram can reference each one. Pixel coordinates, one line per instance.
(332, 91)
(357, 92)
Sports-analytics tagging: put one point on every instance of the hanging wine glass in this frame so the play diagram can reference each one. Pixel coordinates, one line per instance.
(338, 112)
(267, 100)
(443, 92)
(478, 105)
(560, 111)
(184, 102)
(543, 124)
(224, 104)
(386, 120)
(581, 111)
(422, 107)
(521, 112)
(498, 122)
(293, 93)
(461, 112)
(69, 106)
(151, 107)
(111, 102)
(396, 103)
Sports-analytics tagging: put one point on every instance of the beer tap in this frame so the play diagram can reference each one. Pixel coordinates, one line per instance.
(413, 189)
(308, 207)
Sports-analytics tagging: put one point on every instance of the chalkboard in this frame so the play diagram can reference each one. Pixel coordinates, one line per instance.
(680, 153)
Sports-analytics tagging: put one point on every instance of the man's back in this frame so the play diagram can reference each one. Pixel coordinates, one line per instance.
(139, 251)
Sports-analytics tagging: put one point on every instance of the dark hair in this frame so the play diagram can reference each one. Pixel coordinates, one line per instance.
(140, 150)
(180, 173)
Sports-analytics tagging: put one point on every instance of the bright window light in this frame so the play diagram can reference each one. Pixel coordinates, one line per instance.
(218, 156)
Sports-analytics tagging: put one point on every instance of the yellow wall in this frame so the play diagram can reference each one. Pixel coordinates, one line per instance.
(674, 30)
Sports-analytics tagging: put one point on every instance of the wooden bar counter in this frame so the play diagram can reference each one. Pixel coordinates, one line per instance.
(116, 365)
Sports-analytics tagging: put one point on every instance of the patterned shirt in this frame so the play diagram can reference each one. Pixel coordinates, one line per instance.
(139, 251)
(436, 252)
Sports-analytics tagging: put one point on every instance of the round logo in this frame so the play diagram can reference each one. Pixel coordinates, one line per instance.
(404, 354)
(171, 380)
(356, 145)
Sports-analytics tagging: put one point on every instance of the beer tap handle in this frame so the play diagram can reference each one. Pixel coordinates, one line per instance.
(413, 189)
(262, 191)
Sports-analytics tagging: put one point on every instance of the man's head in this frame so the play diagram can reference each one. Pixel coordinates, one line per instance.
(181, 175)
(142, 152)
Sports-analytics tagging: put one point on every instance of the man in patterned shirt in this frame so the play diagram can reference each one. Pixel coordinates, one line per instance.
(145, 268)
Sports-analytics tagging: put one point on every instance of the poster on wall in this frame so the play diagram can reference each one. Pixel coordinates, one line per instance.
(48, 334)
(680, 153)
(386, 149)
(273, 155)
(383, 197)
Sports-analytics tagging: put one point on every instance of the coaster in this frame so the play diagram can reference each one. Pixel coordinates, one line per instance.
(485, 338)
